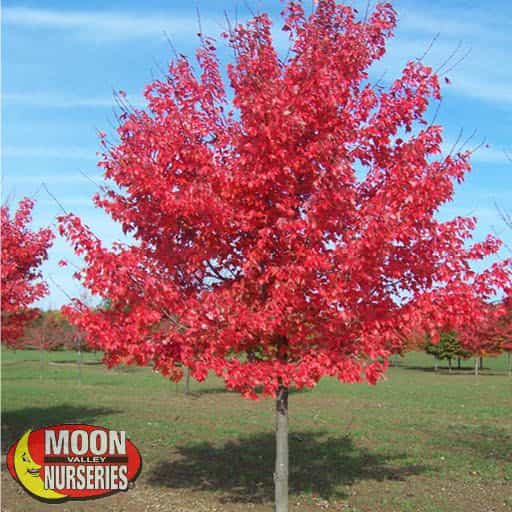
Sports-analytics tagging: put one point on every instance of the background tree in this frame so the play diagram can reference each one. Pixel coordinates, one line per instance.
(275, 262)
(505, 323)
(23, 252)
(448, 347)
(505, 330)
(493, 335)
(49, 331)
(414, 341)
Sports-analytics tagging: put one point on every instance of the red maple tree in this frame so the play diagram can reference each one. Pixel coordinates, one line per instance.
(23, 252)
(505, 329)
(493, 334)
(50, 331)
(285, 228)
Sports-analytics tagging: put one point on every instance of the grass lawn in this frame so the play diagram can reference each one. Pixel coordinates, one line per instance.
(419, 441)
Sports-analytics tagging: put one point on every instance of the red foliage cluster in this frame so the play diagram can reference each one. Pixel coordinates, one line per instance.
(286, 230)
(493, 334)
(505, 325)
(49, 331)
(23, 252)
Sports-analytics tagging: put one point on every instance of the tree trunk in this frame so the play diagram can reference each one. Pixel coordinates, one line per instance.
(509, 359)
(281, 470)
(40, 363)
(458, 363)
(481, 363)
(187, 381)
(79, 357)
(436, 365)
(450, 365)
(476, 366)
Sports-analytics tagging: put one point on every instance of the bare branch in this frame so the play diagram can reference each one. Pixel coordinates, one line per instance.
(429, 47)
(61, 288)
(59, 204)
(449, 58)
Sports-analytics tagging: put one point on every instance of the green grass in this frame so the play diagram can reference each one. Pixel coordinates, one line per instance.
(418, 441)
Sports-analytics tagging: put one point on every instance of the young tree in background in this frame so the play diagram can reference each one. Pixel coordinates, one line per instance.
(505, 330)
(49, 331)
(493, 335)
(23, 252)
(448, 347)
(505, 323)
(275, 262)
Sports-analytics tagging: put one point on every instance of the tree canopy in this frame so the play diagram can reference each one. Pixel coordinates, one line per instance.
(23, 252)
(284, 219)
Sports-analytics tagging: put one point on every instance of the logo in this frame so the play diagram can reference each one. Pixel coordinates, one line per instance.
(74, 462)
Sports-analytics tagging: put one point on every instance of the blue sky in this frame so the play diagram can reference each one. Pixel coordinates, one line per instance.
(62, 60)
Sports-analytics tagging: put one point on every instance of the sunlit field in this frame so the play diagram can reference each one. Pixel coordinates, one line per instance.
(419, 441)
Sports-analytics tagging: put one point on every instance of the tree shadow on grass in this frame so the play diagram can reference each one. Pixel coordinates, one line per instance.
(243, 470)
(464, 371)
(197, 391)
(71, 362)
(16, 422)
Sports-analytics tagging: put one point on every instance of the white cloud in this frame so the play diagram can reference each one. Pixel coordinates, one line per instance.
(485, 88)
(475, 74)
(54, 179)
(482, 155)
(453, 23)
(474, 36)
(70, 201)
(105, 25)
(474, 71)
(68, 152)
(482, 213)
(490, 156)
(414, 33)
(36, 99)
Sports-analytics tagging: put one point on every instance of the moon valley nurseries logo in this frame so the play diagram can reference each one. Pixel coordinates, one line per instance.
(73, 462)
